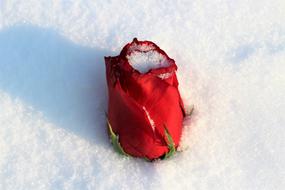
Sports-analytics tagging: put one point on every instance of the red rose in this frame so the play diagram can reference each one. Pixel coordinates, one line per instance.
(145, 110)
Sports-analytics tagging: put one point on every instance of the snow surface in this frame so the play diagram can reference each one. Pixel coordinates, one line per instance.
(144, 61)
(230, 57)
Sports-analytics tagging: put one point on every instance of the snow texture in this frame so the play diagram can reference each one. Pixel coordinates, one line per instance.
(230, 57)
(151, 122)
(144, 61)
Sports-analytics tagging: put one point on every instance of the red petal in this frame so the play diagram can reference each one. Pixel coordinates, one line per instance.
(135, 98)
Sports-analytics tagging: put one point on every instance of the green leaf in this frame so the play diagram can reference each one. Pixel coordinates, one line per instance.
(170, 144)
(115, 140)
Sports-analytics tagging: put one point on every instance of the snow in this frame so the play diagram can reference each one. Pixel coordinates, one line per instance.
(149, 119)
(140, 47)
(144, 61)
(230, 57)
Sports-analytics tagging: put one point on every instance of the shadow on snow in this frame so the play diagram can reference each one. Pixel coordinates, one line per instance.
(63, 80)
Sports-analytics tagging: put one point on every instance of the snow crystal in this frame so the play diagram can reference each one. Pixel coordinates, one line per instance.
(144, 61)
(149, 118)
(141, 47)
(165, 75)
(230, 57)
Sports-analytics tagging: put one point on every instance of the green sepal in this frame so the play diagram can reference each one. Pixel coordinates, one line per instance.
(146, 159)
(115, 140)
(190, 111)
(170, 144)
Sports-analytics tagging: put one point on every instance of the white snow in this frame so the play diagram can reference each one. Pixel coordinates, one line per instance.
(140, 47)
(230, 57)
(151, 122)
(143, 61)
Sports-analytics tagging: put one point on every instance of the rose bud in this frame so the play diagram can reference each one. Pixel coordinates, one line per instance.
(145, 110)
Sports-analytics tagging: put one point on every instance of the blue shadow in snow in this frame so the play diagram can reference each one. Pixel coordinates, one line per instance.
(242, 53)
(64, 81)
